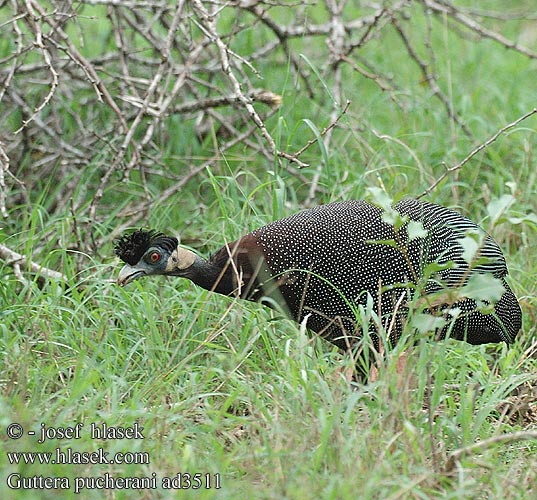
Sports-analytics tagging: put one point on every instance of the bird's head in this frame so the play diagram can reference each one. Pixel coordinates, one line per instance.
(148, 253)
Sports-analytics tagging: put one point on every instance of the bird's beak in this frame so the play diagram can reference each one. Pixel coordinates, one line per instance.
(129, 273)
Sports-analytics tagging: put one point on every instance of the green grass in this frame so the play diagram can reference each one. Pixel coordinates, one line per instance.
(227, 387)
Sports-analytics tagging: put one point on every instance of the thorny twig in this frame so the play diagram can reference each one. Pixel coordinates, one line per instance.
(4, 168)
(479, 148)
(430, 78)
(18, 261)
(455, 13)
(223, 50)
(40, 43)
(455, 457)
(85, 115)
(323, 132)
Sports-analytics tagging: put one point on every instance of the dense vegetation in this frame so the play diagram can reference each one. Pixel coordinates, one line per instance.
(207, 119)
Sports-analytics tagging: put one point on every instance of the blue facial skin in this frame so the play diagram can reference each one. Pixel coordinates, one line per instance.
(154, 261)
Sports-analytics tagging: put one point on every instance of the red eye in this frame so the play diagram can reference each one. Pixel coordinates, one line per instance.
(154, 257)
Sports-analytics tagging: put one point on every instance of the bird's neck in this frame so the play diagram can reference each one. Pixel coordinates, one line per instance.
(212, 276)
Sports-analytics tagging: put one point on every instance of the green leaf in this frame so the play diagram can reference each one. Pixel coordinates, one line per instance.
(531, 217)
(427, 323)
(483, 287)
(378, 197)
(497, 207)
(415, 230)
(471, 243)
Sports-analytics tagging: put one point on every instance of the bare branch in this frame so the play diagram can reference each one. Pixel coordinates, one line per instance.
(210, 25)
(18, 261)
(479, 148)
(48, 61)
(455, 13)
(323, 132)
(173, 86)
(430, 78)
(4, 168)
(455, 456)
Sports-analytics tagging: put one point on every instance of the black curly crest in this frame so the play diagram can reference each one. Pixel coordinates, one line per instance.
(131, 247)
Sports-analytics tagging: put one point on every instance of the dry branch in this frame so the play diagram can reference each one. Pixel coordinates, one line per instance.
(80, 111)
(455, 13)
(20, 262)
(448, 171)
(456, 456)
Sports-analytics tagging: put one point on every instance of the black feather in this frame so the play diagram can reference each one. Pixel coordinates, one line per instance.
(131, 247)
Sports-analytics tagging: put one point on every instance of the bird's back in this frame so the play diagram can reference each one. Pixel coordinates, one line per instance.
(330, 260)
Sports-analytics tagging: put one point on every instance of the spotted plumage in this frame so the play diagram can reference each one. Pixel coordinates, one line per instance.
(334, 265)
